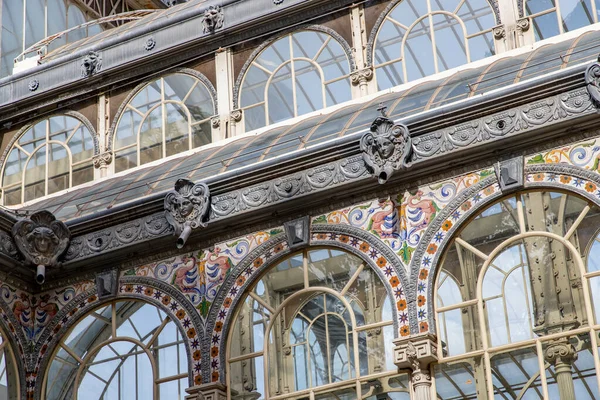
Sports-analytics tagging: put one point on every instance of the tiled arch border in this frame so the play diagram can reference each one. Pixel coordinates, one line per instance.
(150, 290)
(353, 240)
(13, 334)
(425, 265)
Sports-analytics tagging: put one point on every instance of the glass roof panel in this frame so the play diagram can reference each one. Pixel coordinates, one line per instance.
(351, 119)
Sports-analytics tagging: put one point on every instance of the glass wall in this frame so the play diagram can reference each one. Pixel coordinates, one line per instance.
(167, 116)
(299, 73)
(50, 156)
(553, 17)
(515, 308)
(318, 325)
(25, 22)
(423, 37)
(123, 350)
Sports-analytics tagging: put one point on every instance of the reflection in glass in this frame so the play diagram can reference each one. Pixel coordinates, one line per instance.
(299, 73)
(309, 336)
(166, 117)
(34, 168)
(554, 17)
(144, 355)
(404, 49)
(512, 299)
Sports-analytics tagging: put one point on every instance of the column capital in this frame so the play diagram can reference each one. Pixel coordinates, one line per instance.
(207, 391)
(416, 352)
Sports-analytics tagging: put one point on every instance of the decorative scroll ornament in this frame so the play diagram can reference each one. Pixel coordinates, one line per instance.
(91, 64)
(213, 19)
(186, 207)
(102, 160)
(33, 85)
(386, 148)
(592, 79)
(361, 76)
(150, 44)
(42, 240)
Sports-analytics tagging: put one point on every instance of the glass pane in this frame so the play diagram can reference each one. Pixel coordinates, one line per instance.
(459, 331)
(247, 379)
(450, 42)
(309, 87)
(151, 137)
(517, 371)
(35, 173)
(280, 95)
(176, 129)
(58, 168)
(459, 380)
(418, 52)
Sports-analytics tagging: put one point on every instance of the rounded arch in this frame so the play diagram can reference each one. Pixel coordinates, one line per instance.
(35, 144)
(329, 80)
(377, 255)
(475, 40)
(12, 334)
(160, 294)
(192, 120)
(469, 203)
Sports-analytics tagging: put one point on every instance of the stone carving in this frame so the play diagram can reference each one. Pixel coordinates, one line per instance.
(510, 173)
(508, 122)
(150, 44)
(102, 160)
(107, 284)
(523, 24)
(236, 116)
(297, 232)
(362, 76)
(91, 64)
(417, 354)
(499, 32)
(592, 80)
(186, 208)
(33, 85)
(7, 245)
(215, 122)
(386, 148)
(213, 19)
(42, 240)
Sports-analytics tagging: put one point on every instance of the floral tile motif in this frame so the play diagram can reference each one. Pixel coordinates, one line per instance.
(177, 314)
(433, 248)
(199, 275)
(401, 221)
(585, 154)
(237, 291)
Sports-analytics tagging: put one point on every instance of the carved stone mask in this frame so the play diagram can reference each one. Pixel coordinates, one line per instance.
(41, 238)
(187, 205)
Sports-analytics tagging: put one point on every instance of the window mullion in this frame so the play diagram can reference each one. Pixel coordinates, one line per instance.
(293, 69)
(164, 118)
(47, 157)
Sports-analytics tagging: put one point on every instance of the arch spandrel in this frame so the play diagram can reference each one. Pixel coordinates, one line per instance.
(379, 257)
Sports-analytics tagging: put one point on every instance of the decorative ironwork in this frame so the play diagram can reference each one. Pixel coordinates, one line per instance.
(186, 207)
(386, 148)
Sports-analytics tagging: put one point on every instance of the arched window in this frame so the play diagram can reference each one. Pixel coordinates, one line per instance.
(165, 117)
(9, 377)
(515, 317)
(418, 38)
(50, 156)
(123, 350)
(317, 324)
(553, 17)
(299, 73)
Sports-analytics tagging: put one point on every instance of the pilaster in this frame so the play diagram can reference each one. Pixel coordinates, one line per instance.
(416, 354)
